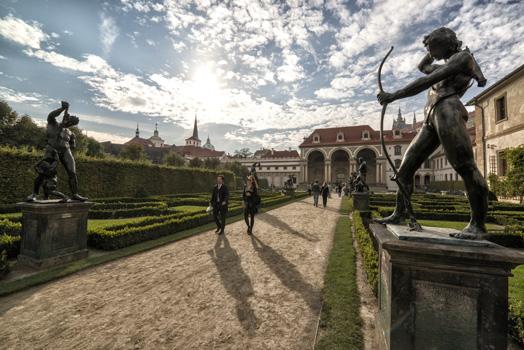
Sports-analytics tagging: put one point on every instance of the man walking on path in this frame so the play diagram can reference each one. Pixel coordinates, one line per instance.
(219, 202)
(315, 188)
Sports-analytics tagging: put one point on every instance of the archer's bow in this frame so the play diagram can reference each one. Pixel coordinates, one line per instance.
(414, 225)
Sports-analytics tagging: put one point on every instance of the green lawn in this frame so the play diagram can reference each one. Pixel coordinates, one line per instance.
(457, 225)
(340, 322)
(516, 284)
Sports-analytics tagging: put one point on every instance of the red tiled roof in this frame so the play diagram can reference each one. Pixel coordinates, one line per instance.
(199, 152)
(353, 136)
(139, 141)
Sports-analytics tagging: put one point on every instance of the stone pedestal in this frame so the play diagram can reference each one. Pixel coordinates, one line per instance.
(53, 233)
(361, 201)
(437, 292)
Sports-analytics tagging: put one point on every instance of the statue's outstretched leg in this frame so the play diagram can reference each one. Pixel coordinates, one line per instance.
(36, 188)
(425, 143)
(457, 145)
(66, 158)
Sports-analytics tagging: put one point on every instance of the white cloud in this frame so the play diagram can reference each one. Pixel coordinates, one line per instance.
(108, 32)
(21, 32)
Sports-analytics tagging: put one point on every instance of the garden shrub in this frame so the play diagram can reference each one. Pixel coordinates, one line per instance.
(367, 250)
(11, 244)
(9, 227)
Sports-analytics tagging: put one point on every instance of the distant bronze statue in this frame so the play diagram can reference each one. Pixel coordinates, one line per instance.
(445, 124)
(253, 170)
(60, 141)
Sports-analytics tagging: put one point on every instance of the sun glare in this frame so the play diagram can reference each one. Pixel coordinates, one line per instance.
(206, 86)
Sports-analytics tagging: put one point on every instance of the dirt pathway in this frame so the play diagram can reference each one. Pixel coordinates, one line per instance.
(234, 292)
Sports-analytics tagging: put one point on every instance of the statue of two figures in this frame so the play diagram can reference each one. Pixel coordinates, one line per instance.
(359, 182)
(59, 142)
(445, 125)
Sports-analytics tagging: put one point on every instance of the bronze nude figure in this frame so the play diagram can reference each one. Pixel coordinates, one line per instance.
(60, 141)
(445, 124)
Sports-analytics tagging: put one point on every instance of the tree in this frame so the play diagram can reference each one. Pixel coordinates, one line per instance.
(94, 148)
(174, 159)
(7, 115)
(25, 133)
(133, 152)
(243, 152)
(211, 163)
(237, 168)
(196, 163)
(515, 176)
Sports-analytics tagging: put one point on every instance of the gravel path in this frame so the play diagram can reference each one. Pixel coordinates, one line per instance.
(204, 292)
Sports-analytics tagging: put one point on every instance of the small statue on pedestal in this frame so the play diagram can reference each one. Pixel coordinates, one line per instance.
(360, 181)
(60, 141)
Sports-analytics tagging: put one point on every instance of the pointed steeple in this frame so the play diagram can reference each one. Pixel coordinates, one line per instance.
(195, 128)
(156, 129)
(399, 118)
(414, 118)
(137, 132)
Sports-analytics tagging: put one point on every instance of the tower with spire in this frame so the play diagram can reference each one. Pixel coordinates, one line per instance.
(156, 140)
(400, 122)
(208, 144)
(194, 140)
(137, 131)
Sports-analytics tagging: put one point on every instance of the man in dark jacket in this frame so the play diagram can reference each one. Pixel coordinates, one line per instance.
(315, 188)
(219, 202)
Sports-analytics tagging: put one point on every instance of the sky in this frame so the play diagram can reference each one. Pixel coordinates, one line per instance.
(255, 73)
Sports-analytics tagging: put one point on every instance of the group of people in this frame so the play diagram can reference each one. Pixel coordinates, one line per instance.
(220, 200)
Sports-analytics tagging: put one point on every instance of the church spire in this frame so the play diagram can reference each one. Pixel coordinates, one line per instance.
(137, 132)
(195, 128)
(156, 129)
(399, 114)
(414, 118)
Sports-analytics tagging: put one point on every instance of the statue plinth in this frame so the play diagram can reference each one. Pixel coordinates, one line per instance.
(361, 201)
(53, 233)
(438, 292)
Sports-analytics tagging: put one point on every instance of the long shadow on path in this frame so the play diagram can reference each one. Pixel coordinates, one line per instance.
(236, 282)
(274, 221)
(287, 273)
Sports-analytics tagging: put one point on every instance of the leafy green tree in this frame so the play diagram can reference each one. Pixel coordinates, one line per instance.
(515, 175)
(196, 163)
(94, 148)
(211, 163)
(174, 159)
(243, 152)
(237, 168)
(7, 115)
(133, 152)
(25, 132)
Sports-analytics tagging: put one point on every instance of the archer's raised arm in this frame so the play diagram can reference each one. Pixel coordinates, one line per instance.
(51, 117)
(461, 62)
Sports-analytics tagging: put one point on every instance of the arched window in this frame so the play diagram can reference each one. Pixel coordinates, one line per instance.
(316, 139)
(397, 163)
(340, 136)
(365, 135)
(398, 150)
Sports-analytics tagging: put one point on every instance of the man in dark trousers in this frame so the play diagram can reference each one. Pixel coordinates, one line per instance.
(219, 202)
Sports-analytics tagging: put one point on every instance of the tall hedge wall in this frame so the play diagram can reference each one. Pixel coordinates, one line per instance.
(105, 177)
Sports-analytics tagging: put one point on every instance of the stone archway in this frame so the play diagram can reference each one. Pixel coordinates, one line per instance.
(315, 166)
(427, 179)
(371, 161)
(339, 166)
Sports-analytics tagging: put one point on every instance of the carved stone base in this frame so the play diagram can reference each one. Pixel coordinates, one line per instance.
(436, 292)
(53, 233)
(361, 201)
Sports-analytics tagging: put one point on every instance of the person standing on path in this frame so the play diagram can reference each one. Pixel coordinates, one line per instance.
(219, 201)
(324, 191)
(315, 189)
(251, 202)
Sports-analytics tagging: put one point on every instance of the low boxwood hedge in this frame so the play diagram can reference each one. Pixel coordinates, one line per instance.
(9, 227)
(367, 249)
(11, 244)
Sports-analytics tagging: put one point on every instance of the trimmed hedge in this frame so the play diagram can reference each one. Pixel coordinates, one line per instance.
(104, 177)
(8, 227)
(11, 244)
(367, 250)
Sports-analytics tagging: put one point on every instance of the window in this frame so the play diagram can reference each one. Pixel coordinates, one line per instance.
(276, 168)
(427, 164)
(365, 135)
(268, 168)
(446, 160)
(294, 168)
(340, 136)
(456, 176)
(502, 164)
(492, 165)
(501, 112)
(446, 177)
(316, 139)
(398, 150)
(285, 168)
(397, 163)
